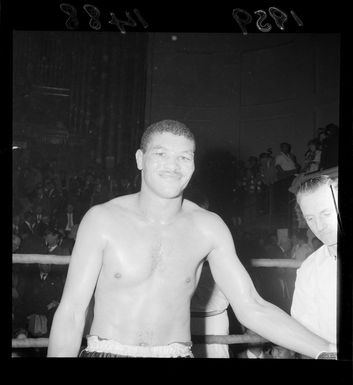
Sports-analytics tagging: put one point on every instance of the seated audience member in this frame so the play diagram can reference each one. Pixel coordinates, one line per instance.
(43, 225)
(301, 248)
(26, 227)
(69, 241)
(53, 240)
(68, 219)
(315, 296)
(42, 294)
(40, 199)
(38, 212)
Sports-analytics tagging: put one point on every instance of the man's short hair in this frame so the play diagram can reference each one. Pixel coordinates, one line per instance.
(171, 126)
(312, 184)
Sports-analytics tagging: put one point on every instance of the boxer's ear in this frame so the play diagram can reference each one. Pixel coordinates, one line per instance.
(139, 157)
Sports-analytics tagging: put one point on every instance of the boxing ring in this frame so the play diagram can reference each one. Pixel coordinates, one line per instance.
(207, 339)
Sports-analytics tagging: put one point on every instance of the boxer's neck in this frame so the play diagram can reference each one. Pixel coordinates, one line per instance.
(159, 210)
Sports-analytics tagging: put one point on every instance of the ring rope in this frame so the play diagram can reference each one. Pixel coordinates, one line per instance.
(200, 339)
(264, 262)
(65, 259)
(41, 258)
(207, 339)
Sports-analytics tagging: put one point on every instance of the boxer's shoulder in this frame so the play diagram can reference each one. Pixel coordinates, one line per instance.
(204, 219)
(118, 205)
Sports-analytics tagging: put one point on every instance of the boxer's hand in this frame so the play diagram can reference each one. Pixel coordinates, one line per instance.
(330, 354)
(327, 356)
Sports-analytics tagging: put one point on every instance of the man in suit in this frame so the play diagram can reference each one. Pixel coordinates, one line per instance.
(67, 220)
(43, 225)
(32, 243)
(26, 227)
(53, 240)
(42, 294)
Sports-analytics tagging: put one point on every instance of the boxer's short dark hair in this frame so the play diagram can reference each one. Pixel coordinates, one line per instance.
(171, 126)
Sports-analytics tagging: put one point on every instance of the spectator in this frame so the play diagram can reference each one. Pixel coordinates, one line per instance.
(26, 227)
(53, 240)
(42, 294)
(312, 156)
(43, 225)
(66, 220)
(40, 199)
(286, 163)
(69, 241)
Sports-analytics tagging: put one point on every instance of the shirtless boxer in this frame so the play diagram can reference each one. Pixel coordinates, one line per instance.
(141, 255)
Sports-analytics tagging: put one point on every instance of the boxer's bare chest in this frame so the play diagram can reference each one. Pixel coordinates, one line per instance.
(137, 252)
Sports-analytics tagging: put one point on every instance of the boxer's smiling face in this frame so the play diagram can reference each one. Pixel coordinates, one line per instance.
(167, 164)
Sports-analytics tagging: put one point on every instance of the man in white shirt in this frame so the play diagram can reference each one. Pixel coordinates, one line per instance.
(286, 163)
(314, 300)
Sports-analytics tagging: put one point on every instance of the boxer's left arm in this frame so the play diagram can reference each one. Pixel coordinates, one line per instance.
(250, 308)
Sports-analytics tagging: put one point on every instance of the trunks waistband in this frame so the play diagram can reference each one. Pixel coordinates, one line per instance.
(101, 345)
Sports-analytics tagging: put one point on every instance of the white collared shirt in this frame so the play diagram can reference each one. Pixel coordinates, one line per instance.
(52, 248)
(315, 295)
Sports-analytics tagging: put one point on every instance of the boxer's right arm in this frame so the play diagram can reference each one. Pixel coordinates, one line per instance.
(86, 260)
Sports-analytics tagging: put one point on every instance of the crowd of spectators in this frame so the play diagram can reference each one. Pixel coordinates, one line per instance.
(48, 205)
